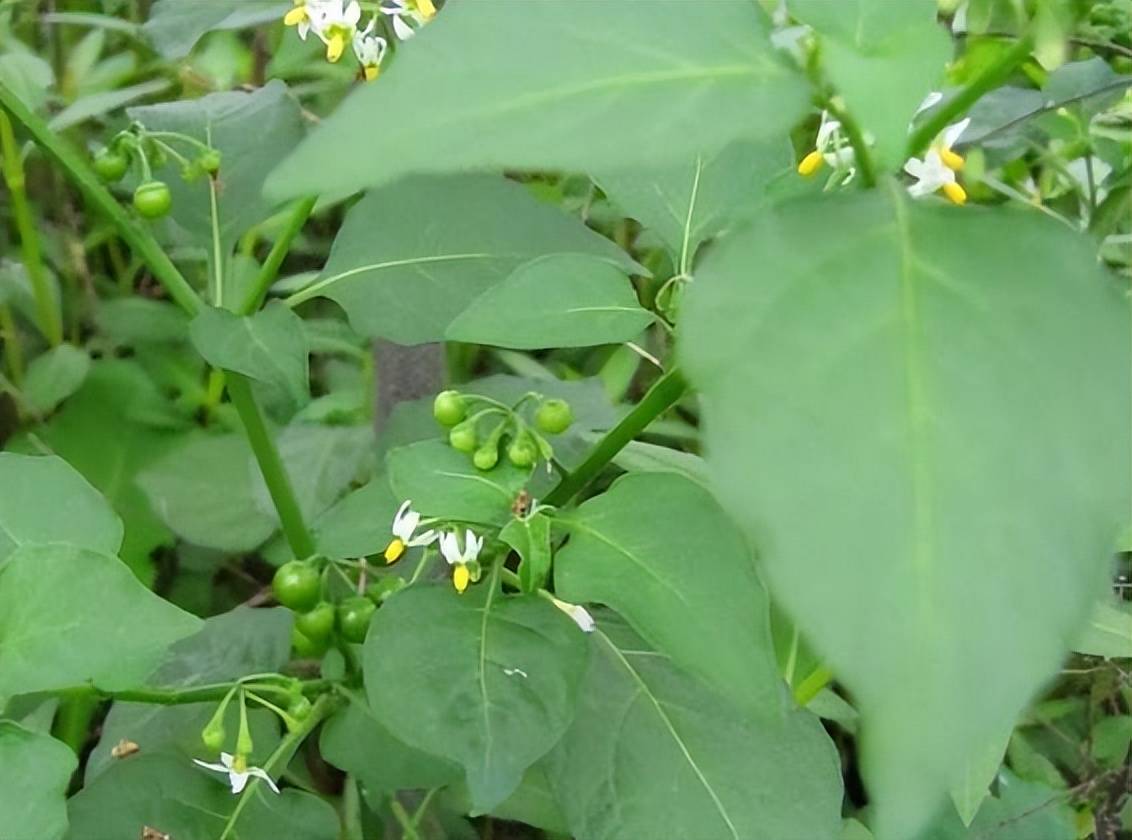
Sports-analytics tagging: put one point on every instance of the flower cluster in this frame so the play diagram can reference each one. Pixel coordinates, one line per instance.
(335, 23)
(935, 172)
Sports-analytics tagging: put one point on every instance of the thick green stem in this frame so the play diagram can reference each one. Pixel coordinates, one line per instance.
(47, 310)
(79, 171)
(13, 350)
(255, 295)
(72, 721)
(214, 692)
(991, 77)
(663, 395)
(271, 465)
(808, 688)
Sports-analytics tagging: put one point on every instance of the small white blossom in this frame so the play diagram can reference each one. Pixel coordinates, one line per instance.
(460, 560)
(404, 527)
(578, 613)
(830, 147)
(369, 50)
(334, 24)
(400, 12)
(238, 771)
(933, 174)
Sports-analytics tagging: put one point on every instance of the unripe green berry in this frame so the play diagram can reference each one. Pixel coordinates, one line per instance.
(110, 164)
(307, 648)
(210, 161)
(354, 615)
(318, 624)
(522, 452)
(487, 456)
(296, 585)
(153, 199)
(463, 437)
(554, 417)
(448, 408)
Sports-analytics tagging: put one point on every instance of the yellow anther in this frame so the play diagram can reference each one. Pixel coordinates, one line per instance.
(335, 46)
(394, 550)
(240, 763)
(296, 16)
(371, 72)
(460, 577)
(811, 163)
(952, 160)
(427, 10)
(956, 193)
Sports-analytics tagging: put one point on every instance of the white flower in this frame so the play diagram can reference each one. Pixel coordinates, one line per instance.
(929, 100)
(334, 24)
(405, 523)
(577, 612)
(238, 771)
(419, 11)
(933, 174)
(460, 560)
(830, 147)
(300, 15)
(370, 50)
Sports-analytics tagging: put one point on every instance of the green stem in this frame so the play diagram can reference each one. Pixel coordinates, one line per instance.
(271, 465)
(255, 295)
(663, 395)
(217, 251)
(79, 171)
(808, 688)
(72, 721)
(50, 320)
(992, 76)
(182, 696)
(13, 350)
(861, 157)
(282, 755)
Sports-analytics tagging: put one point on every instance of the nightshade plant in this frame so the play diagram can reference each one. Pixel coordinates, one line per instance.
(779, 489)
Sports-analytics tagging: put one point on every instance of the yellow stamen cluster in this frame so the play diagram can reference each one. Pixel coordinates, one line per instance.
(394, 550)
(461, 577)
(811, 163)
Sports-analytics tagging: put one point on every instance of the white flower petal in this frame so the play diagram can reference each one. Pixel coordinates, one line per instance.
(219, 768)
(260, 773)
(929, 100)
(402, 29)
(239, 781)
(952, 133)
(353, 13)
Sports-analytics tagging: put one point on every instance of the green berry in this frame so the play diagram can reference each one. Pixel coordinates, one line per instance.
(554, 417)
(296, 585)
(463, 437)
(522, 452)
(383, 587)
(210, 161)
(318, 624)
(153, 199)
(354, 615)
(110, 164)
(307, 648)
(448, 408)
(487, 456)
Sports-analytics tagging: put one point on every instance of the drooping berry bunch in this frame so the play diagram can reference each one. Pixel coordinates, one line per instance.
(481, 427)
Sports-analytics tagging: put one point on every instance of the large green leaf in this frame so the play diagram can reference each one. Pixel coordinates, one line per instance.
(1108, 632)
(565, 300)
(70, 616)
(359, 523)
(883, 58)
(693, 200)
(228, 646)
(46, 501)
(879, 414)
(203, 490)
(412, 256)
(653, 753)
(37, 770)
(269, 346)
(549, 85)
(174, 26)
(659, 549)
(108, 431)
(173, 797)
(252, 131)
(1022, 810)
(486, 681)
(441, 481)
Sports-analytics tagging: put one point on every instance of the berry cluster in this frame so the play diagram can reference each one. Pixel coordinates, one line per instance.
(522, 441)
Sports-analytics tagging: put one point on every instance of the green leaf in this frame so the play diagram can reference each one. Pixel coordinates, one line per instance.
(1021, 811)
(698, 198)
(879, 416)
(174, 26)
(884, 58)
(321, 462)
(173, 797)
(443, 482)
(352, 738)
(639, 456)
(269, 346)
(252, 131)
(54, 376)
(567, 300)
(107, 431)
(138, 321)
(203, 491)
(972, 789)
(407, 281)
(653, 753)
(359, 523)
(530, 537)
(71, 616)
(54, 505)
(682, 575)
(227, 647)
(1108, 632)
(37, 771)
(549, 88)
(486, 681)
(532, 803)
